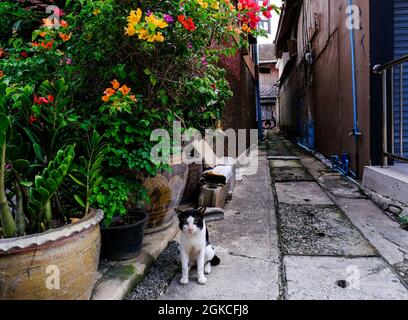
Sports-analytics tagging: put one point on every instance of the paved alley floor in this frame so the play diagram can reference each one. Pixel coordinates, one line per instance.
(297, 231)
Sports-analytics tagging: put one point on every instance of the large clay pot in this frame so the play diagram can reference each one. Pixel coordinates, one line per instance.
(165, 191)
(60, 264)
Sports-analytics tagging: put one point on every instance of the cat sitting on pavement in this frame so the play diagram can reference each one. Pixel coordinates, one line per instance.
(195, 248)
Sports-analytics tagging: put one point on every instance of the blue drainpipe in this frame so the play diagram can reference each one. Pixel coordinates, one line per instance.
(356, 132)
(258, 93)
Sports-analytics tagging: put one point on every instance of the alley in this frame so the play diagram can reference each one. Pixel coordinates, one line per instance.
(296, 230)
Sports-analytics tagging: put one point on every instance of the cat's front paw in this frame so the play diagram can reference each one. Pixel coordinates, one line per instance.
(202, 280)
(184, 281)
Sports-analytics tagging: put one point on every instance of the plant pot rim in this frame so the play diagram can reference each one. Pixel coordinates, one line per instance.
(128, 226)
(52, 235)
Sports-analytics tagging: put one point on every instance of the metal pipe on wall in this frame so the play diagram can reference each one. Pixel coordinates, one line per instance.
(258, 92)
(356, 132)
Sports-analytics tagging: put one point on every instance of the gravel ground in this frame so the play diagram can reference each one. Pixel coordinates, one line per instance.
(160, 275)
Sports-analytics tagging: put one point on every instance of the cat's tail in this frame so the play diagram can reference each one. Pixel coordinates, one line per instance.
(215, 261)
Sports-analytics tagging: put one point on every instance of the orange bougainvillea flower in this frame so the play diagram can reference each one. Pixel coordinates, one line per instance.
(125, 90)
(63, 24)
(48, 23)
(64, 37)
(133, 98)
(115, 84)
(109, 92)
(47, 45)
(105, 98)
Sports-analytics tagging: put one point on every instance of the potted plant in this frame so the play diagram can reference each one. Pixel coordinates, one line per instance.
(44, 231)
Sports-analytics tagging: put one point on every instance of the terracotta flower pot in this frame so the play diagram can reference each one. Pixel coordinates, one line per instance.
(165, 191)
(60, 264)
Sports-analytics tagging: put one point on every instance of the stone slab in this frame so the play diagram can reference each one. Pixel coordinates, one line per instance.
(384, 233)
(316, 278)
(290, 174)
(321, 231)
(301, 193)
(232, 280)
(286, 164)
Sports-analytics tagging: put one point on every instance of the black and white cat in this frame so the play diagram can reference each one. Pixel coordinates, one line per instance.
(195, 248)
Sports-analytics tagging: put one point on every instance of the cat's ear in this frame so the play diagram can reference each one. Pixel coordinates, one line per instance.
(179, 212)
(201, 211)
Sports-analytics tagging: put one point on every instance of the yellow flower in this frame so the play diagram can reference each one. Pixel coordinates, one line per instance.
(130, 30)
(143, 34)
(245, 27)
(135, 16)
(159, 37)
(203, 4)
(215, 5)
(96, 12)
(156, 22)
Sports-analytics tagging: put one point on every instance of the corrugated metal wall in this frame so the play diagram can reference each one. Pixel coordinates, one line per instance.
(400, 49)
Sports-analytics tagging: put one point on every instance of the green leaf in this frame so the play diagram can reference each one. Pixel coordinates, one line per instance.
(153, 79)
(79, 200)
(77, 181)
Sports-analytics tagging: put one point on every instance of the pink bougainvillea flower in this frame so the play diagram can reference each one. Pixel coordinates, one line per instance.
(168, 18)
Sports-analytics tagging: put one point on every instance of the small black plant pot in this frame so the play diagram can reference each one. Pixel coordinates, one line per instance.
(124, 242)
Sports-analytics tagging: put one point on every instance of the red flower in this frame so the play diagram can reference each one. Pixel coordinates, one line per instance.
(213, 85)
(24, 54)
(32, 119)
(41, 100)
(51, 98)
(188, 24)
(265, 3)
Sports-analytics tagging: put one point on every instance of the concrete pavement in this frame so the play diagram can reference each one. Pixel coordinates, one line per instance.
(246, 242)
(296, 230)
